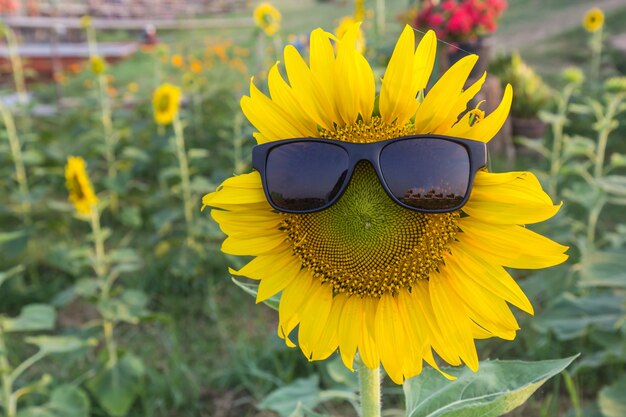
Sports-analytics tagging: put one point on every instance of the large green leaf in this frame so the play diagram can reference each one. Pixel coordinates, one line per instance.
(5, 275)
(253, 289)
(116, 387)
(497, 388)
(571, 317)
(287, 399)
(607, 268)
(59, 344)
(65, 401)
(129, 307)
(612, 400)
(33, 317)
(614, 184)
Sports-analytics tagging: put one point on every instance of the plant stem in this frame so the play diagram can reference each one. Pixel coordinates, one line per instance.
(16, 64)
(102, 271)
(184, 176)
(109, 140)
(557, 133)
(596, 55)
(608, 125)
(369, 389)
(592, 220)
(238, 161)
(10, 408)
(20, 170)
(380, 17)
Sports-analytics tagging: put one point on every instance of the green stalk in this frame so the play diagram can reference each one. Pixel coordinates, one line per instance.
(607, 124)
(184, 176)
(596, 54)
(16, 64)
(10, 407)
(380, 17)
(101, 269)
(20, 170)
(369, 389)
(557, 134)
(238, 161)
(109, 139)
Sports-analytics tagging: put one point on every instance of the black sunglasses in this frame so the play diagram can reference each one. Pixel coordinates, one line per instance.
(425, 173)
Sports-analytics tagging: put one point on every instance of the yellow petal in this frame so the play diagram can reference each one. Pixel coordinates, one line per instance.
(329, 339)
(424, 60)
(487, 128)
(492, 277)
(453, 319)
(274, 282)
(289, 308)
(520, 200)
(264, 265)
(397, 97)
(314, 317)
(355, 93)
(511, 245)
(390, 337)
(368, 349)
(459, 106)
(438, 102)
(350, 325)
(254, 246)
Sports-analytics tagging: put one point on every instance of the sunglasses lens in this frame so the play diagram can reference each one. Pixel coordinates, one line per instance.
(431, 174)
(304, 176)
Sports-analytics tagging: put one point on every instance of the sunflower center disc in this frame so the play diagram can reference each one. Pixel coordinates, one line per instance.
(365, 243)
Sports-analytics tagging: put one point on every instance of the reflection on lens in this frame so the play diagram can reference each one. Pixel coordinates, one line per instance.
(430, 174)
(305, 175)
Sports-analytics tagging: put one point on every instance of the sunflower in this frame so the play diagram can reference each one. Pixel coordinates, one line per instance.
(78, 185)
(267, 17)
(177, 61)
(365, 274)
(166, 102)
(593, 20)
(98, 64)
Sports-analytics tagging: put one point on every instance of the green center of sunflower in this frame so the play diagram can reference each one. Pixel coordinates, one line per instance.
(366, 244)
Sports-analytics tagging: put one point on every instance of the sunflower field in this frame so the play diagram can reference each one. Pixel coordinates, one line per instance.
(314, 209)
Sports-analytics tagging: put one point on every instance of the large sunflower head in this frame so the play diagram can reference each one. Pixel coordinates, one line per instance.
(366, 274)
(81, 192)
(166, 103)
(267, 17)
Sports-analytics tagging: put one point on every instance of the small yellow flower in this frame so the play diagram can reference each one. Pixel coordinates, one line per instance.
(78, 185)
(166, 102)
(346, 23)
(98, 64)
(359, 10)
(195, 66)
(178, 61)
(573, 75)
(133, 87)
(85, 22)
(267, 17)
(593, 20)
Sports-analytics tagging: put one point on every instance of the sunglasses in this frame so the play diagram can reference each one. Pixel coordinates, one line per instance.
(424, 173)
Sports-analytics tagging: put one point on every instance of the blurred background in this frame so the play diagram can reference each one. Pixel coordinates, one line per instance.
(131, 311)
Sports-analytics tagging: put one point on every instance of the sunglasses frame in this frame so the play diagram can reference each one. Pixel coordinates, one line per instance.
(357, 152)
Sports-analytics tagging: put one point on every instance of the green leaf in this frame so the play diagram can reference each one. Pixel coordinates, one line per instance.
(253, 289)
(340, 374)
(497, 388)
(65, 401)
(286, 400)
(33, 317)
(129, 307)
(607, 268)
(302, 411)
(58, 344)
(116, 387)
(612, 400)
(613, 184)
(571, 317)
(10, 273)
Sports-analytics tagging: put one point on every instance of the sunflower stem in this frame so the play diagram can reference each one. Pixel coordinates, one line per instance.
(184, 176)
(16, 65)
(20, 170)
(369, 388)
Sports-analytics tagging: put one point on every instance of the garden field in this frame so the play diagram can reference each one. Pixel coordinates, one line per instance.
(135, 233)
